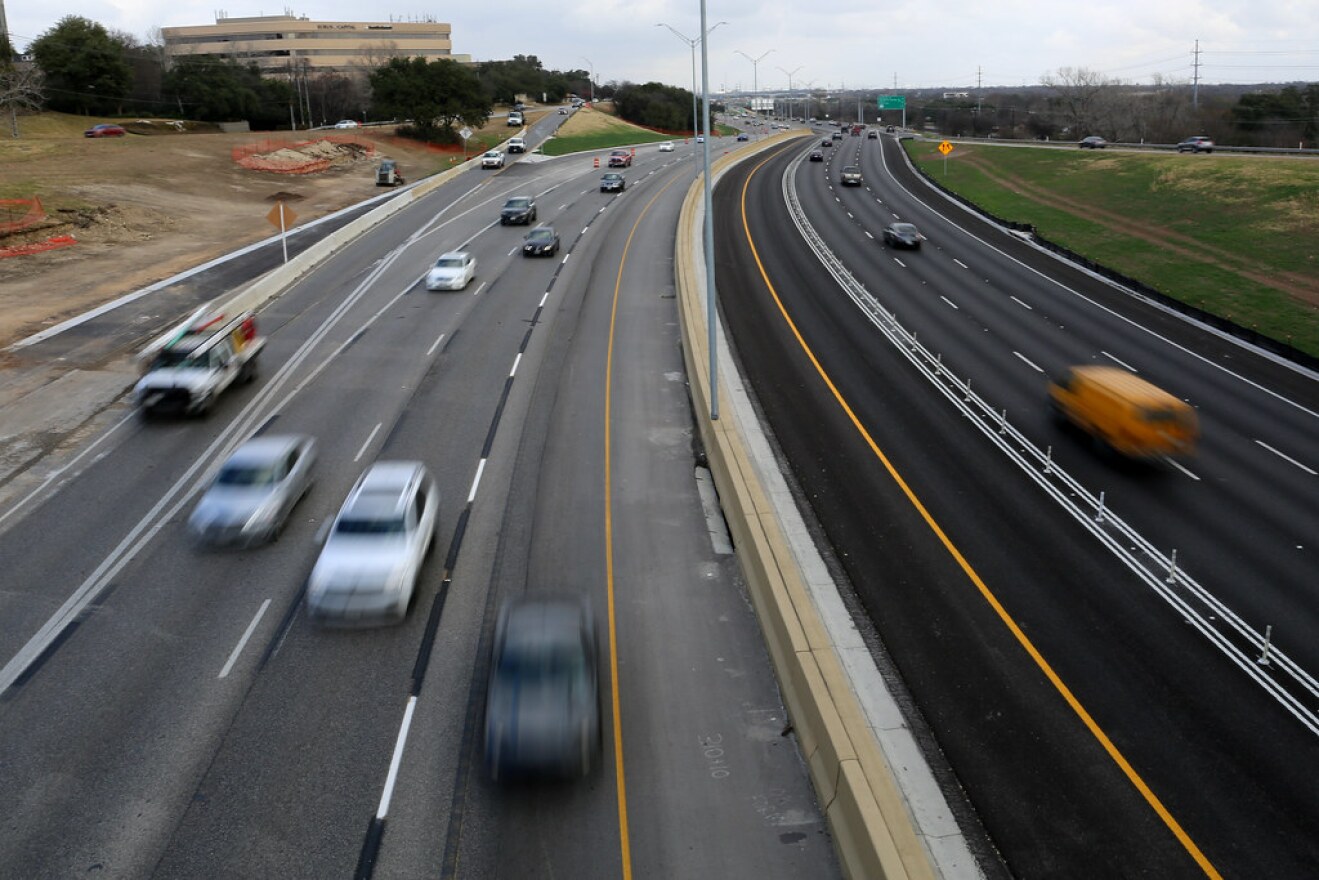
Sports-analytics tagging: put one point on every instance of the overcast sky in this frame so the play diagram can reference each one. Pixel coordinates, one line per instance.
(827, 43)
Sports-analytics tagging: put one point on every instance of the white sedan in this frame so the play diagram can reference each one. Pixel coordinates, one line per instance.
(368, 568)
(492, 159)
(346, 123)
(666, 147)
(452, 271)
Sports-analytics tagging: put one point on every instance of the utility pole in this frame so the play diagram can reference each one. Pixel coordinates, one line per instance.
(1195, 77)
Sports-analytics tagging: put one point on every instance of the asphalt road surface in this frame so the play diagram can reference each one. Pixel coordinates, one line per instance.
(187, 719)
(1089, 669)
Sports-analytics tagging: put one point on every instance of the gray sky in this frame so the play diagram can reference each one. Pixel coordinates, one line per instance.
(827, 43)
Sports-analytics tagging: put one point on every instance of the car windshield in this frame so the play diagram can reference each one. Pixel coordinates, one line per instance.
(540, 234)
(449, 263)
(245, 475)
(353, 525)
(904, 228)
(517, 203)
(613, 177)
(538, 664)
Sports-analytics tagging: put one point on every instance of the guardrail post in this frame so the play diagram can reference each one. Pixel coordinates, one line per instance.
(968, 392)
(1048, 460)
(1268, 640)
(1003, 422)
(1172, 567)
(1099, 514)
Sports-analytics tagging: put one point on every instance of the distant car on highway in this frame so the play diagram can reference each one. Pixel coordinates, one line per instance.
(827, 142)
(700, 138)
(492, 159)
(346, 123)
(452, 271)
(105, 130)
(542, 241)
(902, 235)
(817, 156)
(563, 111)
(1094, 142)
(872, 134)
(1197, 144)
(620, 159)
(838, 136)
(613, 182)
(851, 175)
(666, 147)
(542, 715)
(517, 145)
(743, 136)
(255, 490)
(368, 569)
(518, 209)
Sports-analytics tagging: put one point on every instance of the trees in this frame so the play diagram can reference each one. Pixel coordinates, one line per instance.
(655, 105)
(1078, 94)
(84, 67)
(216, 90)
(432, 95)
(20, 87)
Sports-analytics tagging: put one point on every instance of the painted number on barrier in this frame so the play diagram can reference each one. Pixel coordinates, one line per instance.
(712, 747)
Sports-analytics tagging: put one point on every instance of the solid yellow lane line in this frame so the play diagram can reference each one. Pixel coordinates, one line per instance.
(623, 838)
(1150, 797)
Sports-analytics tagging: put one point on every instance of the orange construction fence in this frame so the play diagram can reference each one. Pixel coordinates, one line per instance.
(19, 214)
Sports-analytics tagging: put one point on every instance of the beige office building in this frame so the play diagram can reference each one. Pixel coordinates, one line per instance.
(281, 43)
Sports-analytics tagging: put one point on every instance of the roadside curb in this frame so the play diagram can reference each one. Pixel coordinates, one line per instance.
(871, 817)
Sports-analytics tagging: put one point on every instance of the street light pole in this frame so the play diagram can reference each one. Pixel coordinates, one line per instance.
(755, 75)
(711, 312)
(791, 74)
(692, 41)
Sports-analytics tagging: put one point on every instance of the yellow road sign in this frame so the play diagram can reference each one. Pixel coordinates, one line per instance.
(274, 219)
(945, 148)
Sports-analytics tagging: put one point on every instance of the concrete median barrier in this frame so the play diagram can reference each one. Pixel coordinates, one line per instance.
(872, 820)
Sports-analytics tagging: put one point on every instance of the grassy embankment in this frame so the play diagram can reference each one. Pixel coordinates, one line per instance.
(593, 129)
(1237, 236)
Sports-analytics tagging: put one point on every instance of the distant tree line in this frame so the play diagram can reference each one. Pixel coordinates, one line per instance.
(655, 105)
(83, 68)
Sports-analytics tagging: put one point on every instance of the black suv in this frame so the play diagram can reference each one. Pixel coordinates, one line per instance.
(612, 182)
(518, 209)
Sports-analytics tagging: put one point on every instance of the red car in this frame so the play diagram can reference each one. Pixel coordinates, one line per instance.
(620, 159)
(105, 130)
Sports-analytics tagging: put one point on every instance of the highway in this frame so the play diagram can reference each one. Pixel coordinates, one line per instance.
(170, 711)
(1082, 638)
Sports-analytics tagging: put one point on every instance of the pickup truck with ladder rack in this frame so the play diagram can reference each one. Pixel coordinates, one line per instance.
(185, 370)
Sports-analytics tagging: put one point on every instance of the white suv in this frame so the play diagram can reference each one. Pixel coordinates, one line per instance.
(517, 145)
(492, 159)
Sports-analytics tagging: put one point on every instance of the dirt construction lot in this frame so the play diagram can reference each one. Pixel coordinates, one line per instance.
(149, 205)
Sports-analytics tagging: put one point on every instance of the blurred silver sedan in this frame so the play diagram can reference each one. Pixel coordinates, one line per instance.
(255, 490)
(368, 568)
(542, 700)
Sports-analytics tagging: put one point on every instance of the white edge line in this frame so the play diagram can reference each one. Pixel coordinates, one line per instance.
(397, 760)
(960, 263)
(476, 481)
(238, 648)
(369, 438)
(1024, 305)
(950, 302)
(1182, 468)
(434, 345)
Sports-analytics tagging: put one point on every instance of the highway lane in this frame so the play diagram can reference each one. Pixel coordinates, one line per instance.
(1221, 756)
(131, 754)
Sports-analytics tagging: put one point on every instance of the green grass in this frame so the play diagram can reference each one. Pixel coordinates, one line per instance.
(599, 140)
(1243, 221)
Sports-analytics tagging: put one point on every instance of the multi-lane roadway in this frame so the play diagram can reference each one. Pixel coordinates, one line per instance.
(170, 710)
(1115, 661)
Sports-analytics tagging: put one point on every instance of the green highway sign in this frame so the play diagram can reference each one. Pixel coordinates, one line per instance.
(892, 102)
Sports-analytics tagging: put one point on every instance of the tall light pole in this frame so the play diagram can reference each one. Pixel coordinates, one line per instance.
(592, 66)
(711, 311)
(755, 75)
(791, 74)
(692, 41)
(806, 108)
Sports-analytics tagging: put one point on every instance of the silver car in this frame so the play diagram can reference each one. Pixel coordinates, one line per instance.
(452, 271)
(255, 490)
(368, 568)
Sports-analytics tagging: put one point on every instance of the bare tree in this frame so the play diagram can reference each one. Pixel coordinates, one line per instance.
(20, 89)
(1078, 96)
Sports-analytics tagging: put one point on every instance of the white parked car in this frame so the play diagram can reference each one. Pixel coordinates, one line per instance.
(492, 159)
(346, 123)
(368, 568)
(666, 147)
(452, 271)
